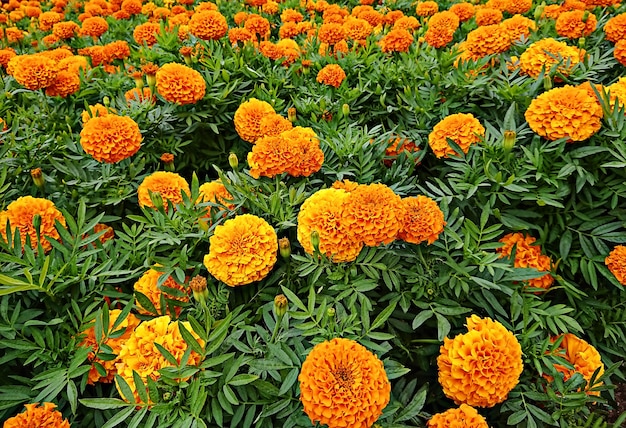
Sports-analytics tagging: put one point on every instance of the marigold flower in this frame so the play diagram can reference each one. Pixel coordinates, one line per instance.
(208, 25)
(488, 40)
(65, 30)
(565, 112)
(518, 26)
(21, 214)
(94, 111)
(422, 220)
(464, 10)
(117, 50)
(6, 55)
(441, 28)
(43, 416)
(331, 33)
(616, 262)
(397, 40)
(94, 27)
(215, 192)
(409, 23)
(342, 384)
(488, 16)
(258, 26)
(180, 84)
(48, 19)
(64, 84)
(426, 8)
(132, 7)
(140, 354)
(110, 138)
(518, 6)
(480, 368)
(347, 185)
(615, 28)
(274, 124)
(170, 289)
(576, 24)
(396, 146)
(169, 185)
(33, 71)
(146, 33)
(357, 28)
(14, 34)
(527, 255)
(580, 354)
(139, 95)
(462, 128)
(546, 53)
(462, 417)
(236, 35)
(291, 15)
(332, 75)
(108, 234)
(242, 250)
(248, 119)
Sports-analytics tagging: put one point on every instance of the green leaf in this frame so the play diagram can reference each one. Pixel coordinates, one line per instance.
(382, 317)
(103, 403)
(242, 379)
(421, 318)
(565, 244)
(119, 417)
(414, 407)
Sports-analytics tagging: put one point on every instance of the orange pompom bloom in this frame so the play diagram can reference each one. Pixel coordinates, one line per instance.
(323, 213)
(64, 84)
(462, 417)
(518, 26)
(619, 53)
(33, 71)
(170, 290)
(409, 23)
(480, 368)
(40, 417)
(180, 84)
(397, 40)
(94, 27)
(48, 19)
(462, 128)
(139, 95)
(488, 16)
(441, 28)
(565, 112)
(258, 26)
(242, 250)
(208, 25)
(331, 75)
(615, 28)
(94, 111)
(215, 192)
(527, 255)
(580, 354)
(488, 40)
(331, 33)
(65, 30)
(342, 384)
(422, 221)
(616, 262)
(146, 33)
(20, 214)
(546, 53)
(132, 7)
(465, 11)
(169, 185)
(576, 24)
(357, 28)
(274, 124)
(291, 15)
(248, 119)
(6, 55)
(111, 138)
(426, 8)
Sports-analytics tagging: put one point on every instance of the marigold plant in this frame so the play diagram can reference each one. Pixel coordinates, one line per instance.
(616, 262)
(169, 185)
(462, 128)
(43, 416)
(110, 138)
(462, 417)
(342, 384)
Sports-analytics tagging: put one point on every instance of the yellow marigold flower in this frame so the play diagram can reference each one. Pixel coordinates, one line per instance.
(139, 352)
(576, 24)
(462, 128)
(43, 416)
(342, 384)
(331, 75)
(565, 112)
(462, 417)
(465, 11)
(616, 262)
(422, 221)
(148, 286)
(488, 16)
(169, 185)
(426, 8)
(488, 40)
(518, 26)
(242, 250)
(580, 354)
(323, 213)
(146, 33)
(64, 84)
(33, 71)
(208, 25)
(21, 213)
(527, 255)
(545, 53)
(115, 343)
(216, 193)
(180, 84)
(94, 26)
(480, 368)
(110, 138)
(397, 40)
(615, 28)
(248, 119)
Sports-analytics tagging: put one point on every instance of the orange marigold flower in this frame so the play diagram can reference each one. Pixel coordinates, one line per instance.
(422, 221)
(617, 92)
(65, 30)
(169, 185)
(57, 54)
(148, 285)
(108, 234)
(288, 30)
(615, 28)
(128, 325)
(94, 27)
(323, 213)
(146, 33)
(6, 55)
(258, 26)
(480, 368)
(426, 8)
(271, 7)
(208, 25)
(216, 193)
(242, 250)
(38, 416)
(110, 138)
(248, 119)
(546, 53)
(140, 354)
(488, 16)
(50, 40)
(576, 24)
(347, 185)
(331, 75)
(396, 146)
(465, 11)
(21, 213)
(518, 6)
(462, 417)
(498, 4)
(14, 34)
(64, 84)
(527, 255)
(584, 358)
(342, 384)
(274, 124)
(132, 7)
(462, 128)
(518, 26)
(619, 53)
(441, 28)
(616, 262)
(291, 15)
(488, 40)
(180, 84)
(397, 40)
(409, 23)
(48, 19)
(565, 112)
(33, 71)
(357, 28)
(138, 95)
(392, 17)
(331, 33)
(236, 35)
(117, 50)
(94, 111)
(373, 17)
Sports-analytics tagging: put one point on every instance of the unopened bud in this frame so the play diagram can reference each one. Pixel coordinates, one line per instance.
(285, 248)
(330, 313)
(345, 109)
(581, 42)
(233, 161)
(106, 101)
(280, 305)
(547, 82)
(38, 178)
(168, 161)
(509, 140)
(315, 240)
(539, 11)
(198, 285)
(151, 78)
(291, 114)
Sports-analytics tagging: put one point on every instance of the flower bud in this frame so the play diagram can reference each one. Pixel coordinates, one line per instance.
(315, 240)
(539, 11)
(330, 313)
(233, 161)
(547, 82)
(168, 161)
(509, 140)
(198, 285)
(38, 178)
(138, 78)
(291, 114)
(285, 248)
(581, 42)
(345, 109)
(280, 305)
(106, 101)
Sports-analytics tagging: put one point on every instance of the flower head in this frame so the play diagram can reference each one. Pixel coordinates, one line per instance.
(584, 358)
(464, 10)
(568, 111)
(65, 83)
(462, 128)
(332, 75)
(342, 384)
(441, 28)
(616, 262)
(615, 28)
(180, 84)
(576, 24)
(242, 250)
(422, 221)
(482, 366)
(94, 26)
(518, 26)
(488, 16)
(169, 185)
(170, 289)
(426, 8)
(527, 255)
(208, 25)
(546, 53)
(215, 192)
(33, 71)
(462, 417)
(488, 40)
(397, 40)
(43, 416)
(146, 33)
(110, 138)
(248, 119)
